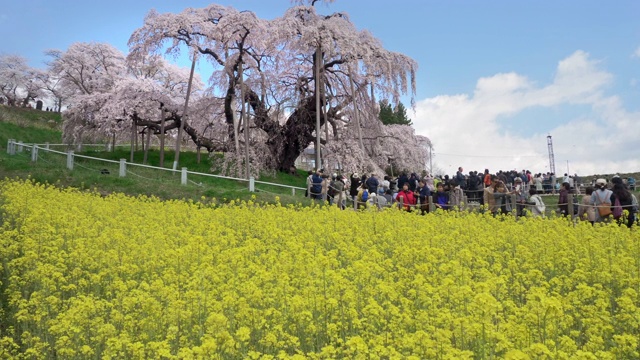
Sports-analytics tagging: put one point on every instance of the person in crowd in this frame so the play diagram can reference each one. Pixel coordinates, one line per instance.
(538, 183)
(460, 179)
(393, 186)
(487, 179)
(441, 198)
(423, 192)
(325, 186)
(500, 194)
(372, 184)
(413, 182)
(489, 201)
(355, 185)
(473, 184)
(405, 197)
(586, 211)
(364, 197)
(309, 183)
(625, 200)
(402, 180)
(577, 181)
(456, 195)
(536, 205)
(389, 196)
(563, 199)
(384, 185)
(380, 201)
(521, 196)
(429, 182)
(316, 185)
(601, 199)
(502, 177)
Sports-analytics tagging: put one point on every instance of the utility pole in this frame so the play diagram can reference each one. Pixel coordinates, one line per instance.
(552, 161)
(430, 158)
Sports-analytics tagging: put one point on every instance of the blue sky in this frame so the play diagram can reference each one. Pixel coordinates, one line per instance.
(495, 77)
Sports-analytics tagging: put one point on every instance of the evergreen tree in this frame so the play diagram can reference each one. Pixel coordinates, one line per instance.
(390, 116)
(386, 113)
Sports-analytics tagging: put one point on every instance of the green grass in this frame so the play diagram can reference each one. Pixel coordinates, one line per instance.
(33, 126)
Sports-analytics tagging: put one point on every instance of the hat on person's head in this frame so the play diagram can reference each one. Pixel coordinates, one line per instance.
(518, 179)
(355, 175)
(601, 182)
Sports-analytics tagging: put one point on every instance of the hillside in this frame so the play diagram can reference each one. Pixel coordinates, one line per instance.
(34, 126)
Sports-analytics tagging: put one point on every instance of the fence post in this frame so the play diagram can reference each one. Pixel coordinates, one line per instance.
(46, 146)
(570, 206)
(34, 153)
(20, 147)
(293, 191)
(9, 144)
(252, 184)
(123, 167)
(70, 159)
(183, 178)
(432, 207)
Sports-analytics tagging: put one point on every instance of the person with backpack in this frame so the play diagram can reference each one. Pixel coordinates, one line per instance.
(621, 200)
(363, 196)
(601, 199)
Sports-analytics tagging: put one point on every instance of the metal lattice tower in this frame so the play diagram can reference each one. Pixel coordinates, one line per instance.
(552, 160)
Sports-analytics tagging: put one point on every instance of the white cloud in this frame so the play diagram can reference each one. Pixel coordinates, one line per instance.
(604, 142)
(636, 53)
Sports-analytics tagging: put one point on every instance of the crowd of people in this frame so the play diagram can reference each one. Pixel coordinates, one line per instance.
(502, 192)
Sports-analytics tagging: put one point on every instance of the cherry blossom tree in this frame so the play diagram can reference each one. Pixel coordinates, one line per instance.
(19, 83)
(279, 62)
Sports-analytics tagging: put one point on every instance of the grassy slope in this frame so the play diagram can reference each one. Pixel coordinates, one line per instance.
(30, 125)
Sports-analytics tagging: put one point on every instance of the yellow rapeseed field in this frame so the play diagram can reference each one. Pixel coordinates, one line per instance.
(118, 277)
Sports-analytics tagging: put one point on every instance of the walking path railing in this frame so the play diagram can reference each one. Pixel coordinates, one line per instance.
(15, 147)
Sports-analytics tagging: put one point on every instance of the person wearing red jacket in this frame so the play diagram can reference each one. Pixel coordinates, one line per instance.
(406, 197)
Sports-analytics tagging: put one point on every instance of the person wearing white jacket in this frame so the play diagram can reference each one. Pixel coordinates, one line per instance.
(537, 207)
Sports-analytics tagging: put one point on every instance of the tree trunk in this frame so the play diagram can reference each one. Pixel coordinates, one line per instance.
(146, 146)
(295, 136)
(133, 139)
